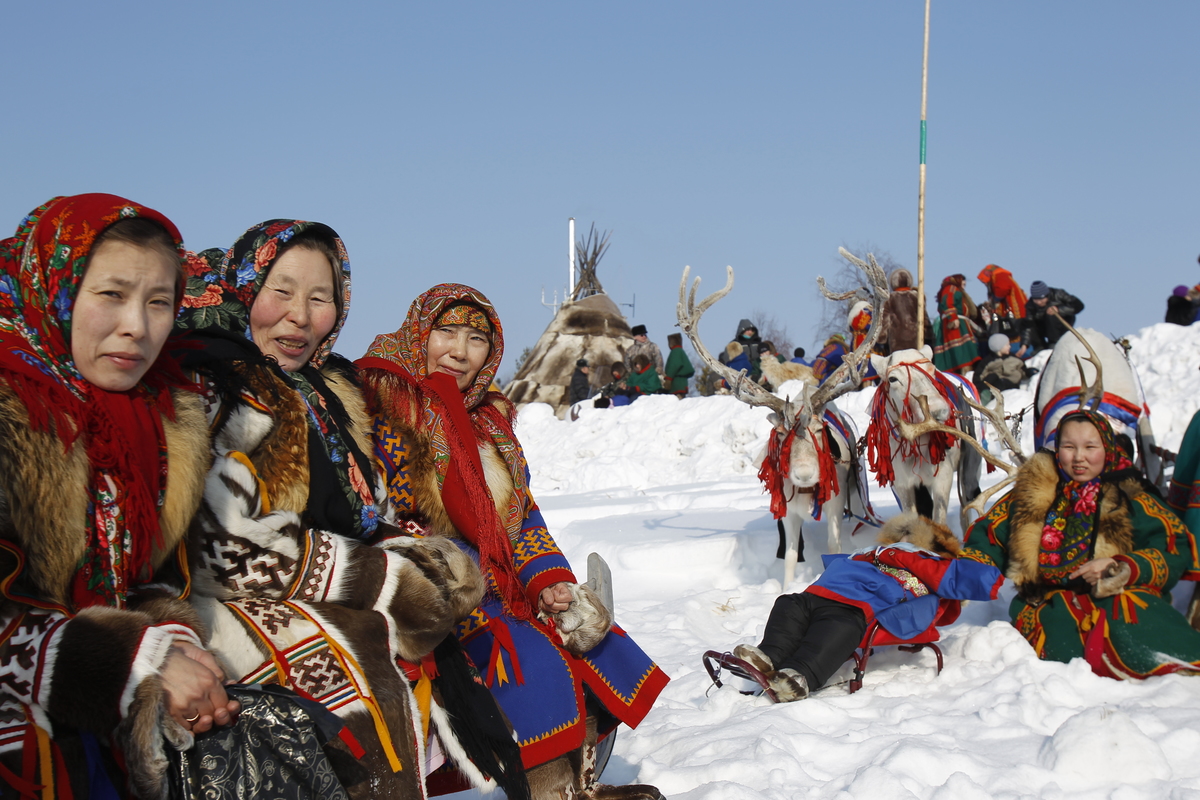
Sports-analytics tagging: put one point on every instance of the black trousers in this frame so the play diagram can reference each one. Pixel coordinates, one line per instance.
(812, 635)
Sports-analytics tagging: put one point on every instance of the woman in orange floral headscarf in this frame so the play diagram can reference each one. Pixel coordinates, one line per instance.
(562, 672)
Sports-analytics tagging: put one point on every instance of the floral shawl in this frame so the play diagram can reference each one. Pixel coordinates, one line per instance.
(220, 290)
(458, 420)
(1069, 534)
(41, 270)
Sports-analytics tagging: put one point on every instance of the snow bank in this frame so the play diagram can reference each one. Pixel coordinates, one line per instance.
(666, 491)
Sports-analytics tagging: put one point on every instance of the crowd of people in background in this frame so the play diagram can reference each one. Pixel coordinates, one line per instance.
(993, 338)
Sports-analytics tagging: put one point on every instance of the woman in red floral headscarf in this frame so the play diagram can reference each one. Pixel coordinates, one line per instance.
(546, 647)
(102, 455)
(1092, 551)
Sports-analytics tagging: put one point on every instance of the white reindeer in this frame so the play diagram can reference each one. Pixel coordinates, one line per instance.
(810, 466)
(922, 470)
(1093, 362)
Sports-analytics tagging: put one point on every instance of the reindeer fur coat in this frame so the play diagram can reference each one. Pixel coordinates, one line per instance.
(97, 670)
(267, 578)
(1123, 623)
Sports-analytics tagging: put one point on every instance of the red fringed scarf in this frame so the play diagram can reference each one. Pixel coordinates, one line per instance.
(465, 493)
(778, 461)
(882, 429)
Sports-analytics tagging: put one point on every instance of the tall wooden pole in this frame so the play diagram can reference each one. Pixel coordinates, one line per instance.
(921, 193)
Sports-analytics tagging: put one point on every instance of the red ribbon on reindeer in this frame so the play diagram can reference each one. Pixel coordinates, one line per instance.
(778, 460)
(883, 430)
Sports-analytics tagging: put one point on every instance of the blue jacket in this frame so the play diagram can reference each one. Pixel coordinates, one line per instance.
(901, 585)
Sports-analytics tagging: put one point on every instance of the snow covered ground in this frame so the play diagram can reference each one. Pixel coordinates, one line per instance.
(665, 490)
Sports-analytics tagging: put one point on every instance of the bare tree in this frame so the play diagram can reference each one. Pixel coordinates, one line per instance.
(588, 252)
(847, 278)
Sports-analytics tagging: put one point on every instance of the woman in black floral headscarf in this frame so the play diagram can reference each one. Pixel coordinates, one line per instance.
(283, 566)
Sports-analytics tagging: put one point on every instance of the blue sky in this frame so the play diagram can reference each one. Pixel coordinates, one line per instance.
(451, 141)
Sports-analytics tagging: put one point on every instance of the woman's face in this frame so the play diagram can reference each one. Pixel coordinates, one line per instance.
(1081, 451)
(295, 310)
(123, 313)
(459, 351)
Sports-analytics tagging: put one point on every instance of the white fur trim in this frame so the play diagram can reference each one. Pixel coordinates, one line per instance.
(396, 565)
(229, 638)
(450, 744)
(152, 654)
(244, 430)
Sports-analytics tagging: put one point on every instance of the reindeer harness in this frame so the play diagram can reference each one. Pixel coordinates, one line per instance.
(883, 429)
(774, 468)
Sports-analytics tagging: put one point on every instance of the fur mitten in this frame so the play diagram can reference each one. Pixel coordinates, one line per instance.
(585, 622)
(445, 563)
(1113, 581)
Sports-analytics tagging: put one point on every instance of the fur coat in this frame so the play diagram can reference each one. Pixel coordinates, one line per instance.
(97, 670)
(899, 315)
(1031, 497)
(537, 672)
(1124, 625)
(339, 609)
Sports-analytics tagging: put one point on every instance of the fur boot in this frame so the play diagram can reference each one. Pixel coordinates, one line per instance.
(754, 657)
(788, 685)
(573, 777)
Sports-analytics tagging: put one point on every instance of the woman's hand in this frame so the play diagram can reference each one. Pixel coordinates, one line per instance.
(555, 598)
(1094, 570)
(195, 692)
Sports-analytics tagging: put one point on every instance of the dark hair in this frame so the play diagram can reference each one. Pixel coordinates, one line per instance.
(640, 361)
(798, 352)
(145, 233)
(617, 368)
(769, 346)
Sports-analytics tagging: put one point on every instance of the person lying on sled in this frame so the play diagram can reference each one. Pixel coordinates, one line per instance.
(901, 583)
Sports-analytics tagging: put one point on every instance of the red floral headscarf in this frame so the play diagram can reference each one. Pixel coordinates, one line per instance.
(41, 269)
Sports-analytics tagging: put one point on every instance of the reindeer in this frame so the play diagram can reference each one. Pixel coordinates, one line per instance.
(922, 470)
(810, 466)
(1093, 362)
(778, 373)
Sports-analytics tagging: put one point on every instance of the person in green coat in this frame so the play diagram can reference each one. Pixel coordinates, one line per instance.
(1093, 554)
(643, 378)
(679, 367)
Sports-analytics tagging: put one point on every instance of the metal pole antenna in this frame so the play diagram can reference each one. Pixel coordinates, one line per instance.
(571, 236)
(921, 193)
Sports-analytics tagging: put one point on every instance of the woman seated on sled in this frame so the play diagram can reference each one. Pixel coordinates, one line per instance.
(454, 469)
(1092, 553)
(102, 458)
(900, 583)
(284, 568)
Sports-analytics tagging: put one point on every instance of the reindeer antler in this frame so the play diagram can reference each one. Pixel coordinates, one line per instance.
(1095, 392)
(911, 431)
(849, 375)
(744, 389)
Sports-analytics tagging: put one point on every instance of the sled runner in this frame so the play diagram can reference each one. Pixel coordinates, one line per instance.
(714, 662)
(877, 636)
